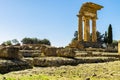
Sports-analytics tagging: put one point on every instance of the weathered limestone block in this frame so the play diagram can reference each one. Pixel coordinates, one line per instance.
(31, 46)
(53, 61)
(31, 53)
(43, 48)
(119, 47)
(59, 61)
(30, 61)
(10, 52)
(89, 53)
(26, 47)
(76, 44)
(13, 65)
(48, 50)
(67, 52)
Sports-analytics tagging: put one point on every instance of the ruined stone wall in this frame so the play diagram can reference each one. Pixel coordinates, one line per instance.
(10, 52)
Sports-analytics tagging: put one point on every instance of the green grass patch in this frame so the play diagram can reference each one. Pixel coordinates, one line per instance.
(30, 77)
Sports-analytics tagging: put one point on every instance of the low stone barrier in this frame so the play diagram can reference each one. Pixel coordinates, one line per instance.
(13, 65)
(97, 54)
(59, 61)
(27, 63)
(30, 53)
(53, 61)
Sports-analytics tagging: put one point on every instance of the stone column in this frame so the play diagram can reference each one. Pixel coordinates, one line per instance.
(94, 36)
(86, 30)
(119, 47)
(80, 28)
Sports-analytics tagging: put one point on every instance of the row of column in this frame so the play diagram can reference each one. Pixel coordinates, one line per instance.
(86, 29)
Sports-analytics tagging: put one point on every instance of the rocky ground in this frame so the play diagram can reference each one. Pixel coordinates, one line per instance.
(91, 71)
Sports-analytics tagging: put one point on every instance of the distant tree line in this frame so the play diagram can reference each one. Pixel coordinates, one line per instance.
(35, 41)
(100, 37)
(11, 42)
(27, 41)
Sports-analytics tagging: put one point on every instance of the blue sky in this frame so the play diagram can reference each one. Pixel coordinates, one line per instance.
(55, 20)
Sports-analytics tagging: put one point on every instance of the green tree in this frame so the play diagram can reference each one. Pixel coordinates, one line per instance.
(27, 41)
(99, 36)
(35, 41)
(75, 36)
(15, 41)
(7, 43)
(110, 36)
(45, 41)
(105, 37)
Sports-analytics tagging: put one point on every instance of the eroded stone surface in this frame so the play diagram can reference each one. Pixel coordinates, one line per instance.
(10, 52)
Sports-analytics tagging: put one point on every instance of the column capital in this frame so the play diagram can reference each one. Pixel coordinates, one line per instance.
(94, 19)
(86, 18)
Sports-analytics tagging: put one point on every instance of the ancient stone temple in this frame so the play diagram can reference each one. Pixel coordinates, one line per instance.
(87, 12)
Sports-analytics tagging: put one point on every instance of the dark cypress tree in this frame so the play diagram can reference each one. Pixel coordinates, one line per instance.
(110, 36)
